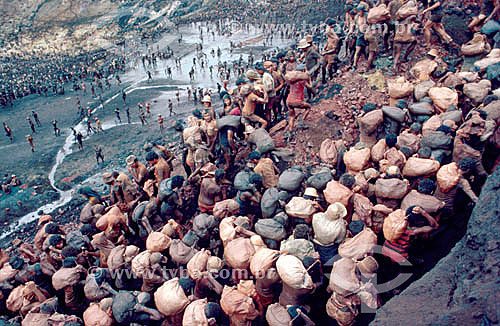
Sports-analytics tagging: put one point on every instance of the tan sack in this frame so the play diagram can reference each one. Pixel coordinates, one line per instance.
(293, 76)
(235, 303)
(36, 319)
(239, 252)
(170, 298)
(448, 177)
(428, 202)
(378, 151)
(492, 58)
(416, 167)
(360, 246)
(198, 263)
(141, 263)
(180, 252)
(157, 242)
(476, 46)
(392, 188)
(363, 208)
(337, 192)
(226, 208)
(15, 299)
(328, 231)
(102, 222)
(262, 260)
(227, 231)
(378, 14)
(357, 159)
(432, 124)
(95, 316)
(423, 69)
(194, 315)
(443, 97)
(67, 277)
(407, 10)
(115, 257)
(328, 152)
(7, 273)
(343, 279)
(300, 207)
(370, 121)
(399, 88)
(394, 225)
(293, 273)
(277, 315)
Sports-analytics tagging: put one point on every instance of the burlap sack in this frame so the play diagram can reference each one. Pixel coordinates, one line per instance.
(7, 273)
(300, 207)
(343, 279)
(378, 150)
(443, 98)
(141, 264)
(370, 121)
(394, 225)
(476, 46)
(170, 298)
(360, 246)
(363, 208)
(15, 299)
(180, 252)
(226, 208)
(399, 88)
(67, 277)
(293, 273)
(194, 315)
(328, 231)
(448, 177)
(391, 188)
(239, 252)
(262, 260)
(198, 263)
(36, 319)
(428, 202)
(157, 242)
(328, 152)
(416, 167)
(95, 316)
(115, 257)
(337, 192)
(378, 14)
(277, 315)
(357, 159)
(233, 302)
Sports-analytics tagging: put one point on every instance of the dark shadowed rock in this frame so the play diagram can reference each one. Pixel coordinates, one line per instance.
(463, 288)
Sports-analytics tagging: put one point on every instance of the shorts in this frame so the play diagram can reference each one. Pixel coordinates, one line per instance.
(360, 40)
(436, 18)
(205, 208)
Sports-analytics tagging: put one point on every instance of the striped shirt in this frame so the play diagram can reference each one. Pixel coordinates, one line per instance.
(398, 250)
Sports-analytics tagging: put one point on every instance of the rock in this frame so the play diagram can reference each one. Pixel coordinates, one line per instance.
(457, 276)
(493, 110)
(477, 92)
(422, 89)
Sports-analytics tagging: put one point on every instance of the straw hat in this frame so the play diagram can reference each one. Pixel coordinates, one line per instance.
(130, 159)
(368, 266)
(107, 178)
(43, 219)
(246, 89)
(303, 44)
(433, 53)
(252, 74)
(312, 192)
(336, 211)
(206, 99)
(268, 65)
(309, 38)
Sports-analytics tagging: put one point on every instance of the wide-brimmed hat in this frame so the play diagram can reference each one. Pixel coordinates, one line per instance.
(246, 89)
(252, 74)
(368, 266)
(206, 99)
(312, 192)
(433, 53)
(336, 211)
(131, 159)
(107, 178)
(303, 44)
(44, 219)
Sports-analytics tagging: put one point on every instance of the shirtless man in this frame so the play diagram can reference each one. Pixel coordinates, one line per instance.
(295, 98)
(435, 22)
(138, 170)
(210, 191)
(29, 138)
(251, 96)
(161, 168)
(8, 131)
(329, 50)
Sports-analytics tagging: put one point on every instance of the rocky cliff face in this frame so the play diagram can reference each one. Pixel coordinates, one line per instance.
(47, 26)
(464, 287)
